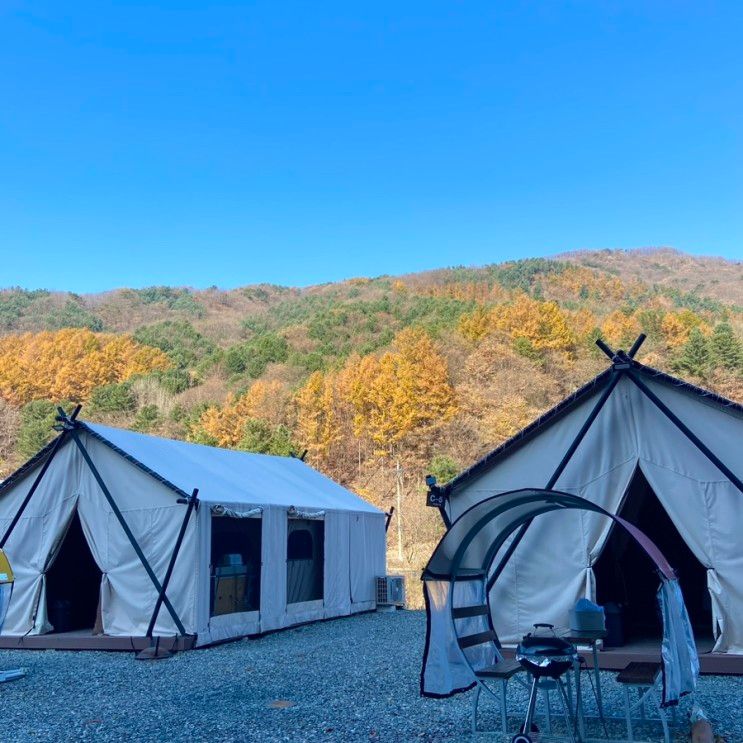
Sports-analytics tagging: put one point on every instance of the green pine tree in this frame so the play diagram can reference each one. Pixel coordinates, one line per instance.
(726, 350)
(694, 358)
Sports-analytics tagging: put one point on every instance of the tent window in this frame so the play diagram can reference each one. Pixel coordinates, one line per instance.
(300, 545)
(305, 560)
(235, 565)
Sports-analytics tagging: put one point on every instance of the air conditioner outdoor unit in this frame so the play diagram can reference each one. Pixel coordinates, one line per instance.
(391, 590)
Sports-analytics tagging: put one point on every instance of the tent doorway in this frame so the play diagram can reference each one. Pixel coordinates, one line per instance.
(73, 583)
(625, 576)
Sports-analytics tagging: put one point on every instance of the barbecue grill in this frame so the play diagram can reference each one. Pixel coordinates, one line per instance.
(544, 655)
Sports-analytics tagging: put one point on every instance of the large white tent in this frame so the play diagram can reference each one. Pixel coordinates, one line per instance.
(632, 435)
(267, 542)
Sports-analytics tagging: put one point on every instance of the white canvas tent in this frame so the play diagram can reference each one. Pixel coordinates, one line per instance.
(269, 543)
(631, 419)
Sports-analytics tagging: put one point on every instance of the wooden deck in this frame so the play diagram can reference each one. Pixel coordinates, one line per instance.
(86, 640)
(615, 659)
(610, 659)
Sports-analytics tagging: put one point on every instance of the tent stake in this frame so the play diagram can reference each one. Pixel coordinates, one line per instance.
(688, 433)
(556, 474)
(57, 446)
(111, 502)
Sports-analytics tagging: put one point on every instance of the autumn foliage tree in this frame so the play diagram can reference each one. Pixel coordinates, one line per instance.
(401, 394)
(538, 325)
(69, 364)
(318, 421)
(265, 401)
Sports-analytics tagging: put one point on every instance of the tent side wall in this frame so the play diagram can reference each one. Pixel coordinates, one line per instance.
(354, 554)
(36, 537)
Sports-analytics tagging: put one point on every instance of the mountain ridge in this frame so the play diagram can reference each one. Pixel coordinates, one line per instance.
(383, 380)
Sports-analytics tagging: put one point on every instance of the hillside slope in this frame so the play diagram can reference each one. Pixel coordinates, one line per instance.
(381, 380)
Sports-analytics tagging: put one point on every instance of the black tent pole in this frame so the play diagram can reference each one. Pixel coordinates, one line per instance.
(636, 345)
(688, 432)
(111, 502)
(560, 468)
(57, 446)
(388, 519)
(192, 503)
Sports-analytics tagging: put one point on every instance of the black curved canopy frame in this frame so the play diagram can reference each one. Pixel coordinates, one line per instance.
(467, 552)
(449, 558)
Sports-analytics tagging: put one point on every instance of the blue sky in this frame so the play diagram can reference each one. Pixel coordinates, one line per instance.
(232, 143)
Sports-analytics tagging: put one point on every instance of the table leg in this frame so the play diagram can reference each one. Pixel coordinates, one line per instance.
(579, 702)
(597, 676)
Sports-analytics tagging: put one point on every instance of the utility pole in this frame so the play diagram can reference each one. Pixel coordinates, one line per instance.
(398, 487)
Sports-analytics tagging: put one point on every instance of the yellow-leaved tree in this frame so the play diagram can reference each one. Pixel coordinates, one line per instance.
(69, 364)
(620, 330)
(676, 327)
(318, 424)
(399, 399)
(264, 400)
(541, 324)
(476, 325)
(402, 394)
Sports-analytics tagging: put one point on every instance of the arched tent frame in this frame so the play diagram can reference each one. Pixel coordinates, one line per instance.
(460, 637)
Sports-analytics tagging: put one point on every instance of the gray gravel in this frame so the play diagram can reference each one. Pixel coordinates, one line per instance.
(353, 679)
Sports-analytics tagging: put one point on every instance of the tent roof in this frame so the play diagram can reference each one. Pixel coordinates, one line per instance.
(570, 402)
(222, 475)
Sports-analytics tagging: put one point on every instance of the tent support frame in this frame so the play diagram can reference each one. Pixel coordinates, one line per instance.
(192, 504)
(618, 373)
(153, 651)
(71, 426)
(687, 432)
(57, 446)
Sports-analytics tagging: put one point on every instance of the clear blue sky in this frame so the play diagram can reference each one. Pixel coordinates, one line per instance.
(196, 143)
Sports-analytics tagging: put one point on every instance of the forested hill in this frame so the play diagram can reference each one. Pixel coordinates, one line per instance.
(427, 370)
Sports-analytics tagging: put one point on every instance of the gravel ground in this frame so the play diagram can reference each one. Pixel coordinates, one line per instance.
(353, 679)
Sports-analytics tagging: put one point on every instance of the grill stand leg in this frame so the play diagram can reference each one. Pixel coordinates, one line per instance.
(547, 709)
(530, 709)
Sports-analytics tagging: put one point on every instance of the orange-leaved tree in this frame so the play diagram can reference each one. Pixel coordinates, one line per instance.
(542, 324)
(620, 329)
(676, 327)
